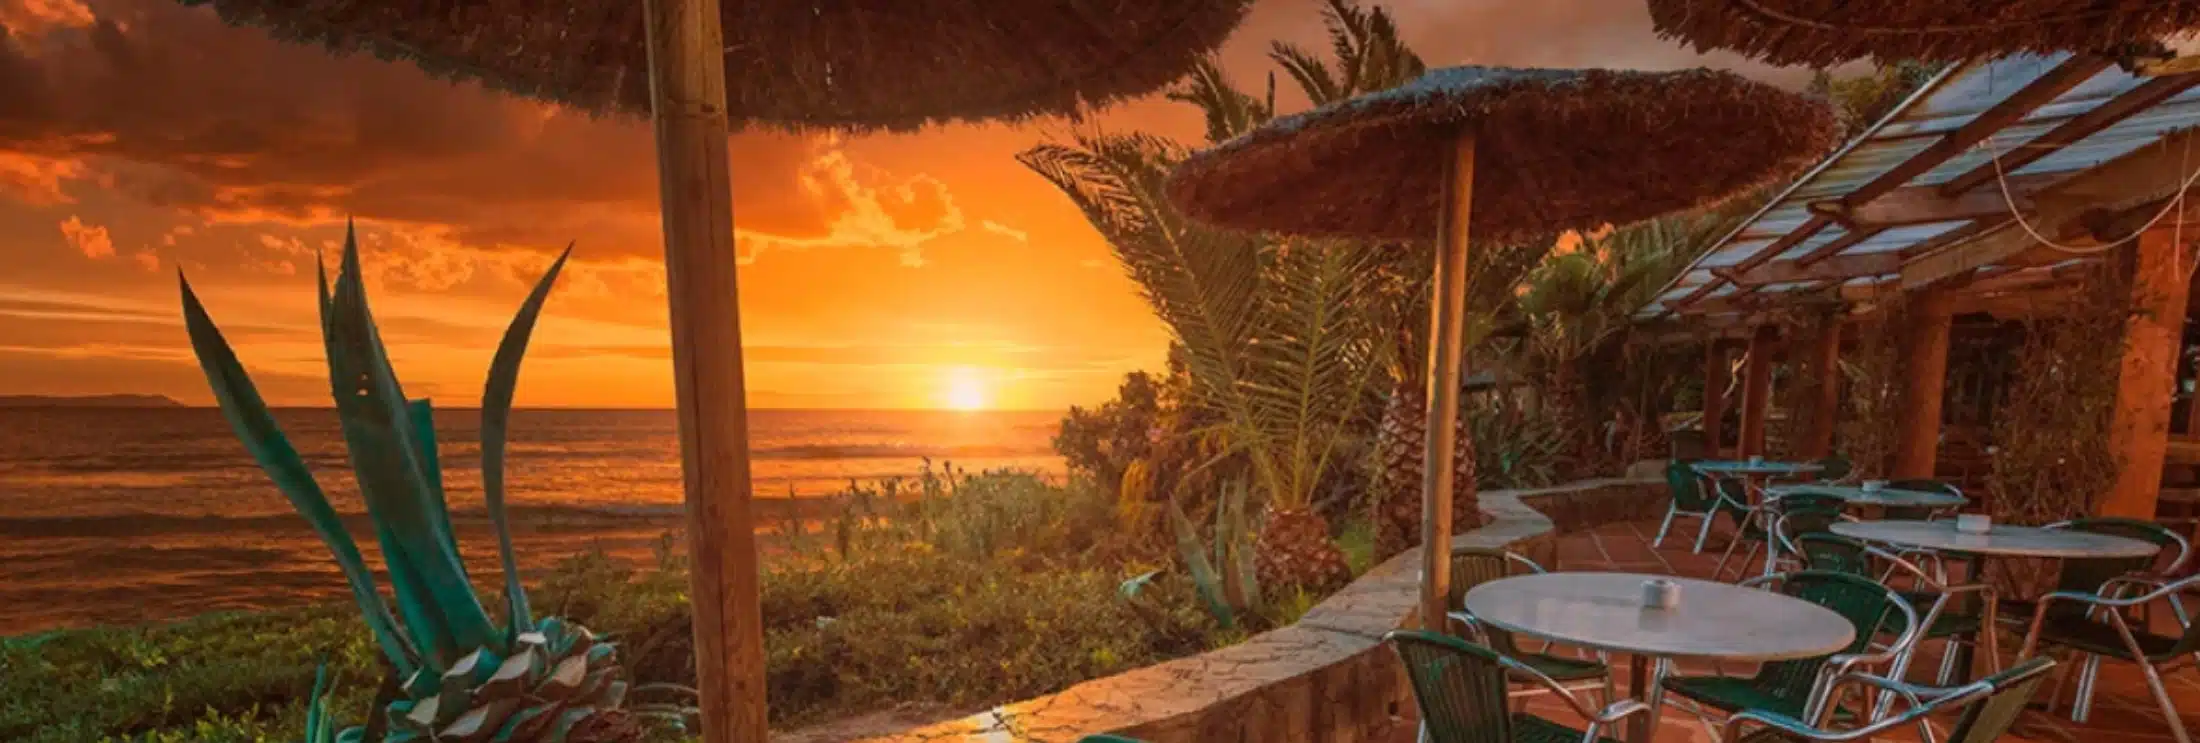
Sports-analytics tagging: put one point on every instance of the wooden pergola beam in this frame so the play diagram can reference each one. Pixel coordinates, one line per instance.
(1834, 267)
(2147, 95)
(2046, 88)
(1912, 205)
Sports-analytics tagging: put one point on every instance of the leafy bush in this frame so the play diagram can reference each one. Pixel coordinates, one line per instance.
(963, 591)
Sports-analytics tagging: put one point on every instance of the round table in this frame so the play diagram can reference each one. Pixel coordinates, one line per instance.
(2002, 540)
(1604, 611)
(1753, 474)
(1891, 497)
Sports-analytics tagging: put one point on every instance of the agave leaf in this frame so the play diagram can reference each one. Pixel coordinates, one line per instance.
(423, 422)
(1195, 561)
(248, 416)
(1240, 533)
(1130, 589)
(496, 414)
(433, 593)
(317, 722)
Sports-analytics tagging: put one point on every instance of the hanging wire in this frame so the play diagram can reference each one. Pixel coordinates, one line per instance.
(2001, 177)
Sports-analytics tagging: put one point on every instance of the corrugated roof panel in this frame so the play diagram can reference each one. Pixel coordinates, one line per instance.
(1813, 242)
(1786, 286)
(1953, 100)
(1731, 254)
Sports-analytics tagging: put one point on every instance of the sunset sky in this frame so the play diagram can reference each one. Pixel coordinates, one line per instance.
(139, 137)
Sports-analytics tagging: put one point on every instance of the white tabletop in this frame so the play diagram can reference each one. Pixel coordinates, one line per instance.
(1767, 467)
(1879, 497)
(2002, 539)
(1714, 620)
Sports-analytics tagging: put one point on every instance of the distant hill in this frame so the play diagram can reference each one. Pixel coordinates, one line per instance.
(88, 401)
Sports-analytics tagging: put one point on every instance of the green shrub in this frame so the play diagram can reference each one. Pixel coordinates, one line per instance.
(986, 589)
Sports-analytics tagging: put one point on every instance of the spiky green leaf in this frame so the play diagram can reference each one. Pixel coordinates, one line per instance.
(254, 425)
(496, 414)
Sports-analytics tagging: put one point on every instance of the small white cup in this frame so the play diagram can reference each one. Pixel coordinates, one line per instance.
(1756, 459)
(1874, 486)
(1659, 593)
(1974, 523)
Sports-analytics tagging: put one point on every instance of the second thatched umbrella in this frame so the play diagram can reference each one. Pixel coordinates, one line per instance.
(1824, 33)
(1503, 153)
(852, 65)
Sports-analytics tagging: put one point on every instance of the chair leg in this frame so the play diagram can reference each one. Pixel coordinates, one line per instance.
(1947, 663)
(2169, 706)
(1671, 510)
(2089, 674)
(1704, 532)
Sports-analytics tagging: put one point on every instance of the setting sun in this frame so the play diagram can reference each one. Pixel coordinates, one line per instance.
(966, 389)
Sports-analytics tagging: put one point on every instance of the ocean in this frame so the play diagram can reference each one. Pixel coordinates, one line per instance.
(134, 515)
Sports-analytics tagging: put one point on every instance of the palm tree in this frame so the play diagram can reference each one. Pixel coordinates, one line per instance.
(1285, 338)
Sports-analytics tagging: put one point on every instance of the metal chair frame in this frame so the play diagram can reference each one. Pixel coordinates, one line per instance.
(1719, 503)
(2089, 670)
(1473, 630)
(2106, 605)
(1923, 703)
(1819, 701)
(1611, 714)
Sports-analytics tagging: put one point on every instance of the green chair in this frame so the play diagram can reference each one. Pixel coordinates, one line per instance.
(1105, 738)
(2096, 625)
(1474, 567)
(1990, 706)
(1691, 497)
(1958, 615)
(1461, 689)
(1802, 512)
(1801, 688)
(1834, 468)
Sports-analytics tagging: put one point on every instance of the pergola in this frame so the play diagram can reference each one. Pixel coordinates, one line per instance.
(1987, 191)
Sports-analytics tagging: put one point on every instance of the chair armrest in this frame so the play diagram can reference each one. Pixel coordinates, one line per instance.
(1473, 626)
(1619, 710)
(2098, 600)
(1528, 672)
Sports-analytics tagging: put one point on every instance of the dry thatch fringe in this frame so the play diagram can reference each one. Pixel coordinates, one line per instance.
(851, 65)
(1557, 149)
(1829, 32)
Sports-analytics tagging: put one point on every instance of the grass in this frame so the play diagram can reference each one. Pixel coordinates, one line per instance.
(949, 590)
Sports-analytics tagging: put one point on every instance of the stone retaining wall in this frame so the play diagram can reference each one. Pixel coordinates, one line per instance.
(1326, 678)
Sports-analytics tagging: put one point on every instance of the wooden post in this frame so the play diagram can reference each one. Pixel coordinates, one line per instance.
(1714, 397)
(1924, 349)
(1757, 390)
(1826, 404)
(1448, 310)
(2153, 336)
(688, 96)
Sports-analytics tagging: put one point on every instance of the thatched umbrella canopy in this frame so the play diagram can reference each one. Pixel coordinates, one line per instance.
(1559, 150)
(849, 65)
(794, 64)
(1823, 33)
(1551, 149)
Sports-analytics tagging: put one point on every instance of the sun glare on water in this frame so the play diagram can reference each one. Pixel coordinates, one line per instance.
(966, 389)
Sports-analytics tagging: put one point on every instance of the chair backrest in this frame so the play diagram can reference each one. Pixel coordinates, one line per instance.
(2088, 575)
(1987, 719)
(1796, 520)
(1861, 600)
(1833, 468)
(1689, 493)
(1925, 486)
(1459, 686)
(1834, 553)
(1474, 567)
(1105, 738)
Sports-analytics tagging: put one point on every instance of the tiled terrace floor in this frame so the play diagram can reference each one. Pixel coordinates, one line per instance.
(2122, 709)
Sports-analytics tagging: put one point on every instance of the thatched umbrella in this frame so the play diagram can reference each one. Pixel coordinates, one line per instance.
(792, 64)
(1552, 149)
(1828, 32)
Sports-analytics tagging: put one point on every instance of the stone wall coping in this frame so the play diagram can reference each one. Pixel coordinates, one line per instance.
(1172, 694)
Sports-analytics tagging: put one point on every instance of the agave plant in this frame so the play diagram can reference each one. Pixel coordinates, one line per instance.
(463, 677)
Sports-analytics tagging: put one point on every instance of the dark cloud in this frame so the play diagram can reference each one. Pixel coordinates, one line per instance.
(175, 109)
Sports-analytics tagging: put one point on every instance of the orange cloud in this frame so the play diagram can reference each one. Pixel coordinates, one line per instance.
(91, 240)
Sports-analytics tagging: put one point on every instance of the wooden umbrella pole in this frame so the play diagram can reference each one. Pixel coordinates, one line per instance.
(688, 93)
(1448, 310)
